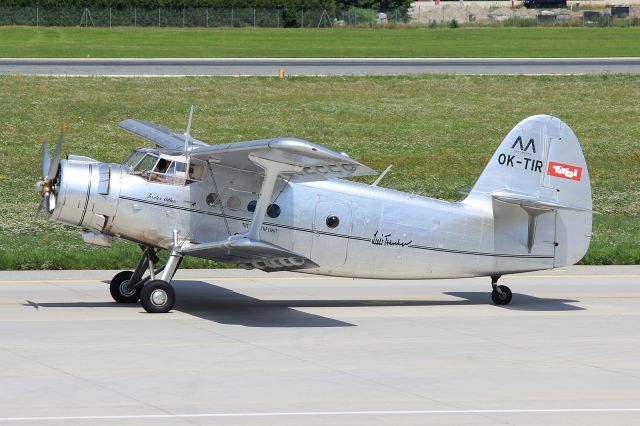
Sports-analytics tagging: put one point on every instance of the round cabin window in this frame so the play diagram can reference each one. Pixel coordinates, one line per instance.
(273, 211)
(233, 203)
(252, 206)
(333, 221)
(212, 199)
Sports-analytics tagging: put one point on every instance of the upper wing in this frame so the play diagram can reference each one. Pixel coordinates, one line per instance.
(159, 135)
(314, 160)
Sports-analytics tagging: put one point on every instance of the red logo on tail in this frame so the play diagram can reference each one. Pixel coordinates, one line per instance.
(564, 171)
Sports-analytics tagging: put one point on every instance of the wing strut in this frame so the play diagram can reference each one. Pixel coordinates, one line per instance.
(271, 171)
(215, 186)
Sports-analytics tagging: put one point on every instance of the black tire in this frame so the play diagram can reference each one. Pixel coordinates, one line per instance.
(117, 288)
(504, 298)
(157, 297)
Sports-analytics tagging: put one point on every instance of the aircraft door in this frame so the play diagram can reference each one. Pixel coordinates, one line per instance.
(331, 231)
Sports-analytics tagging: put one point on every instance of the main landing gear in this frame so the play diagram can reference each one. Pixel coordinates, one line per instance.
(154, 291)
(501, 294)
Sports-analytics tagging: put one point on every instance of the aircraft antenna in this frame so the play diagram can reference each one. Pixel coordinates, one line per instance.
(187, 135)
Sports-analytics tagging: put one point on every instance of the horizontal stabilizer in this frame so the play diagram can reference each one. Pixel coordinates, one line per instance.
(250, 253)
(534, 202)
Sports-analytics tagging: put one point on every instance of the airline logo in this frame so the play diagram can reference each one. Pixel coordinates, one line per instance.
(564, 171)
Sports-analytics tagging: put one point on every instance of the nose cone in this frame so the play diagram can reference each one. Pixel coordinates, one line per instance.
(71, 192)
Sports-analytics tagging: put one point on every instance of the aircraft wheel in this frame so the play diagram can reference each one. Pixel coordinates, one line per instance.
(157, 297)
(504, 298)
(118, 289)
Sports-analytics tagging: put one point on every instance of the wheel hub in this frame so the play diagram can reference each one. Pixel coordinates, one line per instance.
(125, 290)
(159, 297)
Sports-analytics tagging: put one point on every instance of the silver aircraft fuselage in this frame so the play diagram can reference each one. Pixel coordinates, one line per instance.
(381, 233)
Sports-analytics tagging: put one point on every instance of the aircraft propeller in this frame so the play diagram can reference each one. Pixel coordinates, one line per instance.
(46, 185)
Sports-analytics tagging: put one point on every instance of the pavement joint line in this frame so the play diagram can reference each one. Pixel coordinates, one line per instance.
(249, 278)
(328, 413)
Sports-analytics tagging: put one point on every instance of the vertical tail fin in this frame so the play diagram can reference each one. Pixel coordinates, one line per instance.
(539, 168)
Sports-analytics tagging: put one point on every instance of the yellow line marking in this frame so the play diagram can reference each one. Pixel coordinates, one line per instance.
(575, 276)
(45, 281)
(53, 281)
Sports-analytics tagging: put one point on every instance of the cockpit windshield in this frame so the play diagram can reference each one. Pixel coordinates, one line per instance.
(146, 164)
(133, 159)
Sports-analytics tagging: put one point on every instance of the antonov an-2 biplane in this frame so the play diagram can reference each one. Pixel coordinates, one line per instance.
(282, 205)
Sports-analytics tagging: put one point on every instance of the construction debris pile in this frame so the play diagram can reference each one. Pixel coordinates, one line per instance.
(428, 13)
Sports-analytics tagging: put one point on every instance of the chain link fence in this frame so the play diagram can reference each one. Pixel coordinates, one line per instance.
(197, 17)
(433, 16)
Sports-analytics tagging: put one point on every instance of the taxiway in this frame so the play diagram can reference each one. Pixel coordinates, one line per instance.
(314, 66)
(244, 348)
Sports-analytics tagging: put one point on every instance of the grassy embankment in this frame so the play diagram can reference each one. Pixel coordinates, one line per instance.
(336, 42)
(439, 133)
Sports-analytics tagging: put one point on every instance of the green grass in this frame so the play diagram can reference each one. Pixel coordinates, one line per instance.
(337, 42)
(438, 131)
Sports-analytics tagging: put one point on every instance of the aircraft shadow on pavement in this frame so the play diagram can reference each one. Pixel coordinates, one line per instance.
(224, 306)
(219, 304)
(520, 302)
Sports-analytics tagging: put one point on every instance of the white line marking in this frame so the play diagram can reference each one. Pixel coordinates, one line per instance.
(329, 413)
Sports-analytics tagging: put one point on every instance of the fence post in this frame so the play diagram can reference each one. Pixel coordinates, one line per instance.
(254, 17)
(135, 16)
(183, 17)
(158, 17)
(109, 17)
(278, 18)
(37, 17)
(207, 18)
(232, 17)
(302, 23)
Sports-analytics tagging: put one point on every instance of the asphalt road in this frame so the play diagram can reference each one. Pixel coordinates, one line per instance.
(245, 348)
(326, 66)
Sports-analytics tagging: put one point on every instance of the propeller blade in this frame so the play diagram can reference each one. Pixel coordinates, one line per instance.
(46, 160)
(52, 202)
(53, 168)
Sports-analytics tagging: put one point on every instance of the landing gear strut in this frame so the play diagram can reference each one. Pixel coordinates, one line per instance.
(154, 292)
(501, 294)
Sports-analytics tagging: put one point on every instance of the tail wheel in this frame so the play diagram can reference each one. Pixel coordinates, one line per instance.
(120, 291)
(157, 297)
(502, 297)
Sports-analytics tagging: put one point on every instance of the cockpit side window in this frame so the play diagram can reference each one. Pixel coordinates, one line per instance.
(171, 172)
